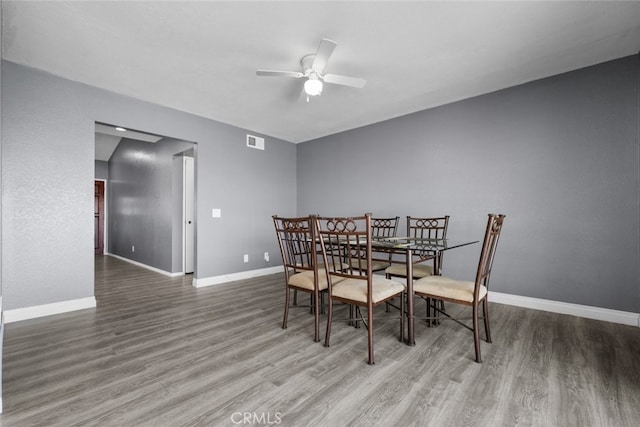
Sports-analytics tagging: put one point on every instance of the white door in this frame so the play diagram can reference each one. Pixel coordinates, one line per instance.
(188, 215)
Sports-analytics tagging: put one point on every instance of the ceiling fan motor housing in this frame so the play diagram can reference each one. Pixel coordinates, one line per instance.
(307, 62)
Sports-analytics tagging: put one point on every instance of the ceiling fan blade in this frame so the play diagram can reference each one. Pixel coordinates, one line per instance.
(322, 55)
(344, 80)
(295, 74)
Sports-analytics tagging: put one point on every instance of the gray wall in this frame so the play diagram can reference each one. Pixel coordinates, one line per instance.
(142, 200)
(558, 156)
(102, 169)
(1, 239)
(48, 170)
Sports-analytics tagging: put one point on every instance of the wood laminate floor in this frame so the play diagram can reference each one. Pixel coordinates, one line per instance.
(158, 352)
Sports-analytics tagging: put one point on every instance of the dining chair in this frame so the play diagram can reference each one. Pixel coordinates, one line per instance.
(345, 242)
(422, 228)
(380, 228)
(428, 263)
(300, 251)
(384, 227)
(469, 293)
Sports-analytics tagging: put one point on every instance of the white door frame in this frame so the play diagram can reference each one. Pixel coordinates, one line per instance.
(188, 215)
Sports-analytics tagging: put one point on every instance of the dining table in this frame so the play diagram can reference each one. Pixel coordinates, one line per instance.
(415, 249)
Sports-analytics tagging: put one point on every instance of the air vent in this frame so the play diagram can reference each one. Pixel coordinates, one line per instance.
(255, 142)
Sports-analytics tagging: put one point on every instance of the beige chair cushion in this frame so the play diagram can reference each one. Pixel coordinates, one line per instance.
(356, 289)
(448, 288)
(375, 264)
(304, 280)
(419, 270)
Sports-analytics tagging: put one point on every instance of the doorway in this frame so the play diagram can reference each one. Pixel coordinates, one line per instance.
(150, 217)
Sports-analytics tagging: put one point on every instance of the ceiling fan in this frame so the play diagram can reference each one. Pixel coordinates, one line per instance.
(313, 66)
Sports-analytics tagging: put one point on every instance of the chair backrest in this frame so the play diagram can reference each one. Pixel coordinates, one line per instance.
(346, 245)
(298, 245)
(428, 228)
(384, 227)
(489, 244)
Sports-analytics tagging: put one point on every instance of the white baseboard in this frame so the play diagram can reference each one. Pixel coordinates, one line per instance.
(148, 267)
(589, 312)
(34, 311)
(217, 280)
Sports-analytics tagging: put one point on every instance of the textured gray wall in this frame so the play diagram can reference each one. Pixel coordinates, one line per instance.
(1, 239)
(558, 156)
(48, 169)
(48, 173)
(135, 214)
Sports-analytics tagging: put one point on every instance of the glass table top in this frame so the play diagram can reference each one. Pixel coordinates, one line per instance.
(436, 245)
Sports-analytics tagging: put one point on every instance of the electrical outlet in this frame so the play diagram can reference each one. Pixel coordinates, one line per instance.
(246, 257)
(266, 256)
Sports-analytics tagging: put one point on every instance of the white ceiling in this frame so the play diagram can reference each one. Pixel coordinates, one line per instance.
(105, 145)
(107, 138)
(201, 57)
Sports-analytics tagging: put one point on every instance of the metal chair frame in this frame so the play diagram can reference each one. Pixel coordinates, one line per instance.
(346, 252)
(299, 250)
(381, 228)
(427, 228)
(485, 264)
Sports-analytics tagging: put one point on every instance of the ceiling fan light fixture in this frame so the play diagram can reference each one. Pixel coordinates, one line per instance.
(313, 86)
(313, 66)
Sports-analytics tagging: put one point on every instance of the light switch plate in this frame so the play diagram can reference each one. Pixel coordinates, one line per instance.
(216, 213)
